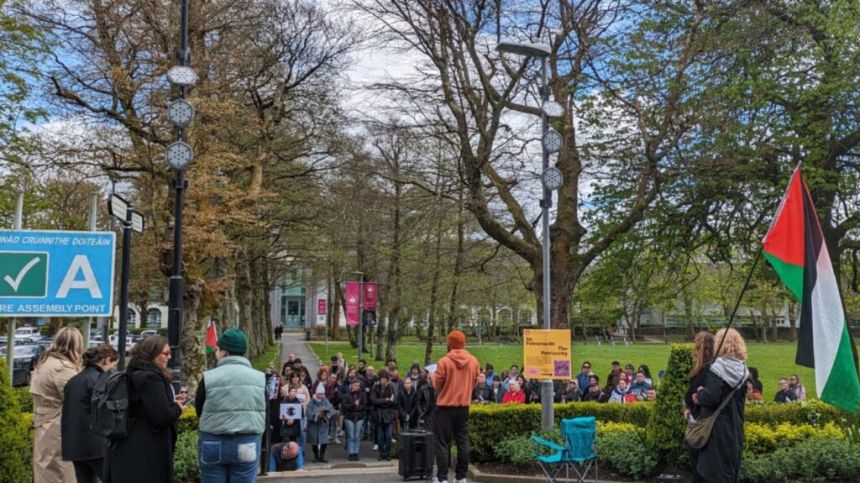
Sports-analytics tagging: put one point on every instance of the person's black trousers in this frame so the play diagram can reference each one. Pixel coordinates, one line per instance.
(452, 422)
(89, 471)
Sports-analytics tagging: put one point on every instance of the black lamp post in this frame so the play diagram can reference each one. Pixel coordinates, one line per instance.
(179, 155)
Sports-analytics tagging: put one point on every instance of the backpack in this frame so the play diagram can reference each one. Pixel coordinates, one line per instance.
(109, 406)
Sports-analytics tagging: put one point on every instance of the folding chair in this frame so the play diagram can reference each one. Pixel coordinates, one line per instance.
(579, 434)
(577, 453)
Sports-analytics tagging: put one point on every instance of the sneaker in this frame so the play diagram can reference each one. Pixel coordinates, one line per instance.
(376, 447)
(462, 480)
(437, 480)
(337, 440)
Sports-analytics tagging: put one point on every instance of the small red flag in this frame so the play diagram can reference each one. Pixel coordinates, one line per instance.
(211, 337)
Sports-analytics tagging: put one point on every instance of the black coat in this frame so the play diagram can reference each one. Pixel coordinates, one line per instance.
(353, 409)
(720, 460)
(385, 402)
(79, 442)
(408, 402)
(482, 393)
(146, 454)
(695, 382)
(426, 405)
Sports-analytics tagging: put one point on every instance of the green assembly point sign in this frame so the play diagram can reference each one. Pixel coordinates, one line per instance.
(23, 274)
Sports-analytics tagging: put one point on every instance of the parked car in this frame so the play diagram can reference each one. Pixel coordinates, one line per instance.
(27, 333)
(147, 333)
(25, 358)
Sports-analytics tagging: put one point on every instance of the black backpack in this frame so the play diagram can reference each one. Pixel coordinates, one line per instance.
(109, 406)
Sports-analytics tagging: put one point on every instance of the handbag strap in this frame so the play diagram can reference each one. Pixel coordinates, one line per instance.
(727, 398)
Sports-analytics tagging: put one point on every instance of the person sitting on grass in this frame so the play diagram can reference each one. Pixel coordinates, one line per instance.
(594, 393)
(639, 388)
(620, 393)
(514, 395)
(785, 394)
(647, 372)
(752, 393)
(481, 392)
(797, 387)
(651, 395)
(497, 392)
(569, 392)
(582, 377)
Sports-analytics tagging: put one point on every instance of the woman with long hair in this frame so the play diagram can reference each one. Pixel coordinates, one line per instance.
(56, 366)
(146, 454)
(703, 355)
(720, 460)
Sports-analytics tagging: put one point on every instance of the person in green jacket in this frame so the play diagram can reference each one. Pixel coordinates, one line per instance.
(231, 401)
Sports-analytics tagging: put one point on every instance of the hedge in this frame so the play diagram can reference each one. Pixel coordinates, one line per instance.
(16, 437)
(489, 424)
(666, 425)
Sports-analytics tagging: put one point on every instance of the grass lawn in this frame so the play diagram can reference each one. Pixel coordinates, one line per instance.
(272, 354)
(773, 360)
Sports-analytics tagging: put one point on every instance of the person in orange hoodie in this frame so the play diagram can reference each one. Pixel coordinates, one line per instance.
(455, 378)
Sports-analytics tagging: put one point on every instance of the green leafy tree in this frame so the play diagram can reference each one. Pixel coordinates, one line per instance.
(666, 425)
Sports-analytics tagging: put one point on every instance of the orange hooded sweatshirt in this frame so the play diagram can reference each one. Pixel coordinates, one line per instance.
(455, 377)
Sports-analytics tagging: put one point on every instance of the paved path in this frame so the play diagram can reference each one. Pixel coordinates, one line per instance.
(294, 343)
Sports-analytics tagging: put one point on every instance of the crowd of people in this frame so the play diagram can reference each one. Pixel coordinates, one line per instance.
(340, 404)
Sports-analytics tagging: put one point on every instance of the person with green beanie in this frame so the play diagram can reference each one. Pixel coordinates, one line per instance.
(231, 401)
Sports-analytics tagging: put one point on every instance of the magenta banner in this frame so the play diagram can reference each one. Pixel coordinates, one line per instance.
(371, 295)
(353, 313)
(321, 306)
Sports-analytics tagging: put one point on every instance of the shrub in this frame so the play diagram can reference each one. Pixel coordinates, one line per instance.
(185, 464)
(627, 452)
(666, 425)
(762, 438)
(521, 450)
(25, 401)
(814, 412)
(489, 424)
(816, 458)
(15, 435)
(188, 421)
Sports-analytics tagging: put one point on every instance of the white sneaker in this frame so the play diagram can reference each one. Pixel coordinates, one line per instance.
(436, 480)
(376, 447)
(393, 440)
(460, 481)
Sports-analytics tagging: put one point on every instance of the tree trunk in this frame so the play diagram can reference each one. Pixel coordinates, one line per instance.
(792, 321)
(688, 314)
(191, 337)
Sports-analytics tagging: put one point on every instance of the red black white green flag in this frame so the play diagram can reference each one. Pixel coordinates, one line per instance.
(795, 248)
(211, 337)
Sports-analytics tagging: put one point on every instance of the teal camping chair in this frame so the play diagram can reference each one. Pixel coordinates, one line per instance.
(577, 453)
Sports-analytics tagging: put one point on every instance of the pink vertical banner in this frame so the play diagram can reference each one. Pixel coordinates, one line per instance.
(321, 306)
(353, 312)
(371, 295)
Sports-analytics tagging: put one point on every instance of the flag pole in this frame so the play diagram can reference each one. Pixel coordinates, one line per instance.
(738, 301)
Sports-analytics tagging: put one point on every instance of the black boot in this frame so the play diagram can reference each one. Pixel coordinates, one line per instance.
(322, 453)
(316, 453)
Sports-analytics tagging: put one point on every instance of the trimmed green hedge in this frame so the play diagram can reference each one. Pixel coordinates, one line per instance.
(16, 437)
(489, 424)
(666, 425)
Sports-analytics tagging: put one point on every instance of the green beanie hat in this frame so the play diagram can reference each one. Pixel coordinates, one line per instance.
(234, 342)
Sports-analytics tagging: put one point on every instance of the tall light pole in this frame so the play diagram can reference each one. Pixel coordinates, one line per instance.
(360, 314)
(551, 179)
(179, 155)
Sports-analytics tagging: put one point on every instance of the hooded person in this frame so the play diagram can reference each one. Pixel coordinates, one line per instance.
(455, 378)
(318, 413)
(720, 460)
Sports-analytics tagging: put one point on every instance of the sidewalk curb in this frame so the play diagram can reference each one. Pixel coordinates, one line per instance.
(478, 475)
(276, 476)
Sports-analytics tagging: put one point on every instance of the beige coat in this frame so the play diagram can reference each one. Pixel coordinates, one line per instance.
(46, 387)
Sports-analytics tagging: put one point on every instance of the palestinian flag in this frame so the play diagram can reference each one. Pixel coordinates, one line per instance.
(795, 248)
(211, 337)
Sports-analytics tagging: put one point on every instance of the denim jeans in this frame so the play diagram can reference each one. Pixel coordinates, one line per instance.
(228, 457)
(383, 438)
(353, 435)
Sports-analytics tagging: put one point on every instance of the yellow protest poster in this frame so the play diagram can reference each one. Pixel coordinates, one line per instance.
(546, 353)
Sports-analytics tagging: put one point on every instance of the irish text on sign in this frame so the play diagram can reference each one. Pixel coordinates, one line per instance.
(56, 273)
(546, 353)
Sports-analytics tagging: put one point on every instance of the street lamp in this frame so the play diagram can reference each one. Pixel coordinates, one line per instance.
(551, 179)
(130, 221)
(178, 156)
